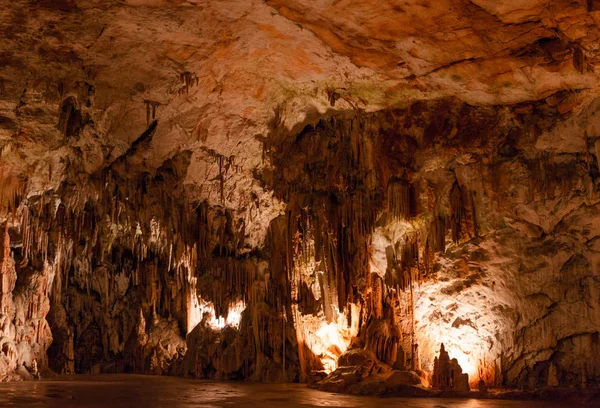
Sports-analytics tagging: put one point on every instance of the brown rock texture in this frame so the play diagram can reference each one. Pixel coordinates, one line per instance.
(292, 190)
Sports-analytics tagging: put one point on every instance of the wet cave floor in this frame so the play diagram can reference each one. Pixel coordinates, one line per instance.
(120, 391)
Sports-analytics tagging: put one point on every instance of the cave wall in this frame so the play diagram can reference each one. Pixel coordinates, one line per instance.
(401, 229)
(251, 189)
(453, 224)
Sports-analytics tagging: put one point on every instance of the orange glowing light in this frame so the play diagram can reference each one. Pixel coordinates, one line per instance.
(463, 324)
(328, 340)
(197, 308)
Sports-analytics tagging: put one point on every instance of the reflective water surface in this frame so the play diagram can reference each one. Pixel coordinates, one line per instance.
(124, 391)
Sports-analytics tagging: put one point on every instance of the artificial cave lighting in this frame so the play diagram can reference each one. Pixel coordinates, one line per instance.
(464, 323)
(234, 314)
(330, 345)
(329, 340)
(199, 309)
(368, 197)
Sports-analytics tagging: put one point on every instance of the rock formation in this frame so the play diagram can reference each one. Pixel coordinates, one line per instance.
(447, 374)
(305, 191)
(25, 332)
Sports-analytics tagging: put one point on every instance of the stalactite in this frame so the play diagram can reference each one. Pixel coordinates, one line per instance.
(457, 211)
(462, 220)
(150, 110)
(399, 199)
(12, 189)
(188, 79)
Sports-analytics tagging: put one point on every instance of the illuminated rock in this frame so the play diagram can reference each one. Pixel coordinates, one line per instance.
(447, 374)
(360, 372)
(24, 335)
(257, 190)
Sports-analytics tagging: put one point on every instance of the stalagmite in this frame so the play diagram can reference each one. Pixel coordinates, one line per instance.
(447, 374)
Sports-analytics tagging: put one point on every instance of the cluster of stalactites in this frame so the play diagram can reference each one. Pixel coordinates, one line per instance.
(552, 178)
(52, 230)
(227, 279)
(116, 223)
(336, 235)
(346, 168)
(415, 259)
(401, 199)
(462, 218)
(12, 190)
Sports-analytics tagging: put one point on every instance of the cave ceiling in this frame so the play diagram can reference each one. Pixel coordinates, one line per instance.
(213, 72)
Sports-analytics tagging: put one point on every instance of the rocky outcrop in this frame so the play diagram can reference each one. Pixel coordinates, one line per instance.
(360, 372)
(447, 374)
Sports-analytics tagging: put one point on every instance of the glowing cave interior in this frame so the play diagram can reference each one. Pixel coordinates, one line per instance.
(369, 197)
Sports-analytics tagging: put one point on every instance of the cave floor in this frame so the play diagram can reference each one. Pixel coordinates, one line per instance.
(147, 391)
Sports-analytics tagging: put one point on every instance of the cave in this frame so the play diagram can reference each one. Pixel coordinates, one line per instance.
(301, 203)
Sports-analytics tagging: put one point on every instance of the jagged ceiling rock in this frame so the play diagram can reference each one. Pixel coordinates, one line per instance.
(85, 77)
(481, 51)
(90, 76)
(241, 59)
